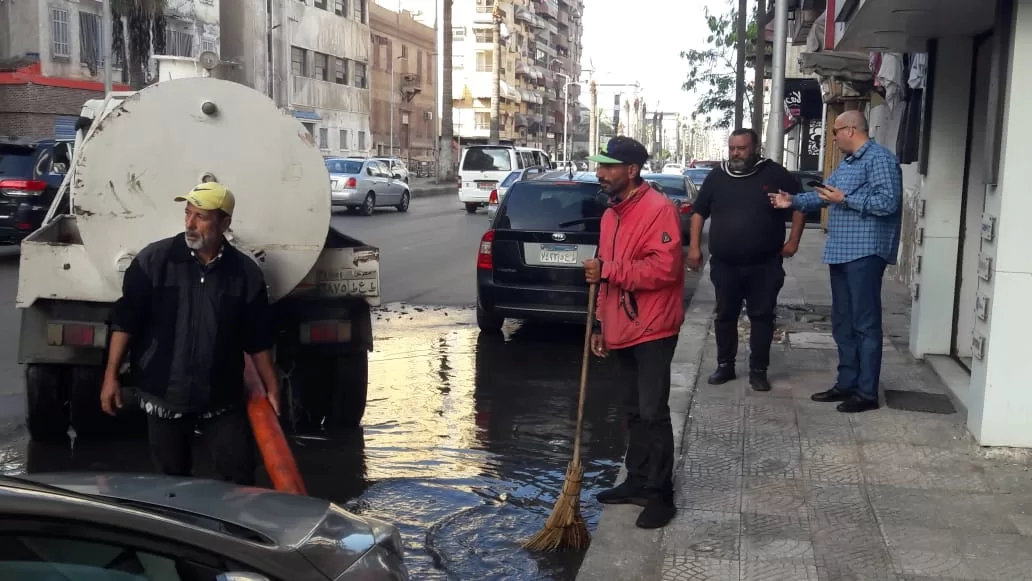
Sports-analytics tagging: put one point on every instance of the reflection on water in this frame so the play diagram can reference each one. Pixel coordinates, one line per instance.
(464, 445)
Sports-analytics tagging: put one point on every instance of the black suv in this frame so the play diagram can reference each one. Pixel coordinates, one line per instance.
(31, 172)
(529, 265)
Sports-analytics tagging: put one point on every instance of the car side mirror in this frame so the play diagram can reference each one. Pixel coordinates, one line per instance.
(241, 576)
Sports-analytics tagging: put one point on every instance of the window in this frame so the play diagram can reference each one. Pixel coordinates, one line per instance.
(375, 44)
(485, 6)
(485, 61)
(209, 44)
(344, 166)
(322, 66)
(390, 56)
(487, 158)
(298, 64)
(178, 43)
(419, 61)
(89, 40)
(361, 140)
(458, 33)
(324, 138)
(60, 33)
(340, 72)
(340, 7)
(344, 139)
(484, 35)
(482, 121)
(531, 205)
(360, 76)
(359, 10)
(321, 4)
(310, 128)
(430, 69)
(404, 51)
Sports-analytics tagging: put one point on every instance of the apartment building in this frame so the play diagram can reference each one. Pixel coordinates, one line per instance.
(403, 62)
(52, 58)
(541, 54)
(317, 68)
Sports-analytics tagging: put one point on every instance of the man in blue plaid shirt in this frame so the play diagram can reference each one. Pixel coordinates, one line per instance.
(865, 194)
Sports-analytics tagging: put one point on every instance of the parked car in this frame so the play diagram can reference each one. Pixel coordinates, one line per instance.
(529, 264)
(697, 174)
(135, 528)
(498, 194)
(813, 216)
(673, 168)
(682, 192)
(31, 172)
(365, 184)
(398, 168)
(483, 167)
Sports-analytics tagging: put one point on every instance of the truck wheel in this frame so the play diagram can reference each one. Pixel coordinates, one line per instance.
(487, 320)
(472, 208)
(46, 399)
(350, 387)
(368, 205)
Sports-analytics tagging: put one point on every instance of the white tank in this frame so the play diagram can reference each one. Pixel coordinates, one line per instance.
(160, 142)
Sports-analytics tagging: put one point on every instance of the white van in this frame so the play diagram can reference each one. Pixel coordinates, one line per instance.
(482, 167)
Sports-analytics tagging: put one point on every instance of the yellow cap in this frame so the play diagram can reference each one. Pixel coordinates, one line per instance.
(210, 196)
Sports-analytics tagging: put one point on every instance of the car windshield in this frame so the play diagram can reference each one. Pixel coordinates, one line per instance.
(487, 159)
(344, 166)
(509, 179)
(16, 161)
(697, 175)
(552, 206)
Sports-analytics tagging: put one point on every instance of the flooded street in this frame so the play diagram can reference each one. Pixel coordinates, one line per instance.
(464, 444)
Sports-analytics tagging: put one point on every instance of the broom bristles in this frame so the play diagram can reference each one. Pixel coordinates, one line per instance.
(565, 529)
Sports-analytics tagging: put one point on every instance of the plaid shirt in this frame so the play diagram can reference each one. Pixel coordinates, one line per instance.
(867, 223)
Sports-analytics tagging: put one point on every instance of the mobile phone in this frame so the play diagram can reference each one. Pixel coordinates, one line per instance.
(816, 184)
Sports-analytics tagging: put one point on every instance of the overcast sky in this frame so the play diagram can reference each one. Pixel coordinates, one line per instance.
(642, 41)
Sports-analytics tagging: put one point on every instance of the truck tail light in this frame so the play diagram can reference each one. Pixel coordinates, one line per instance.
(485, 257)
(325, 332)
(493, 198)
(71, 334)
(22, 188)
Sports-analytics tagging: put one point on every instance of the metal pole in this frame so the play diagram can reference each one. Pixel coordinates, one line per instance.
(566, 122)
(777, 91)
(392, 71)
(105, 40)
(760, 66)
(593, 121)
(496, 86)
(740, 33)
(824, 134)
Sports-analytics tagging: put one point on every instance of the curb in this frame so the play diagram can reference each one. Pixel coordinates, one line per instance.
(431, 191)
(620, 550)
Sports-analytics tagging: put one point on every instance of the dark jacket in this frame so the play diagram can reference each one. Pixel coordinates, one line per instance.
(190, 324)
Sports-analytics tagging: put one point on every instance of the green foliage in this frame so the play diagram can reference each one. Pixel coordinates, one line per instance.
(711, 72)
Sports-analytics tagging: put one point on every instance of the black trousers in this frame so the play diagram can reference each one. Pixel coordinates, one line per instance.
(228, 437)
(757, 285)
(650, 446)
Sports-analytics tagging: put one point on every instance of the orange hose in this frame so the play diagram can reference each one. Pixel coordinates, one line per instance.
(276, 454)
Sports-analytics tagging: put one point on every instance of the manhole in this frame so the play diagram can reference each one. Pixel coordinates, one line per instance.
(917, 401)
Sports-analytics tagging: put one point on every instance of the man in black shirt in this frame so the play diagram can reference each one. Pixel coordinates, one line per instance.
(191, 306)
(747, 244)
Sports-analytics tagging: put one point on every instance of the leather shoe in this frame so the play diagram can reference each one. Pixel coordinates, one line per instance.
(624, 493)
(857, 404)
(725, 372)
(832, 395)
(658, 512)
(758, 381)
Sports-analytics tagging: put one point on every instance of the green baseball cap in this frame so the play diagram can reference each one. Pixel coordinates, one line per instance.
(622, 151)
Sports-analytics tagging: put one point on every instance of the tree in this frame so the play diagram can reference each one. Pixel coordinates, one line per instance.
(144, 29)
(711, 72)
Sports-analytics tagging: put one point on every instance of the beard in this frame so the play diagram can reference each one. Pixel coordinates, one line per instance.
(196, 241)
(743, 165)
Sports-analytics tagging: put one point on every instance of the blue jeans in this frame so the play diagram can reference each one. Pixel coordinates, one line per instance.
(856, 323)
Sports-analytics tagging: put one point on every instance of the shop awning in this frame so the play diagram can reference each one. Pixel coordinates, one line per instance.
(883, 26)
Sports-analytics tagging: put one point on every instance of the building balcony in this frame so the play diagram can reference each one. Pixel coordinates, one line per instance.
(882, 25)
(321, 94)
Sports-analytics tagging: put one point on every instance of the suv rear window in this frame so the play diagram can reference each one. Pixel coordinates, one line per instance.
(487, 159)
(16, 161)
(674, 187)
(555, 207)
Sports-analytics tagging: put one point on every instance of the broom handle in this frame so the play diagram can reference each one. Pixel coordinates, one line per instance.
(592, 293)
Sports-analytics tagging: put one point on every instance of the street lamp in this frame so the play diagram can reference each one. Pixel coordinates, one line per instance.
(400, 58)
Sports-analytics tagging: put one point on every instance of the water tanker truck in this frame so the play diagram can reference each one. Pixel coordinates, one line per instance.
(135, 152)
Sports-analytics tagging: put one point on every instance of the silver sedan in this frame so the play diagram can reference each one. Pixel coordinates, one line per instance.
(364, 185)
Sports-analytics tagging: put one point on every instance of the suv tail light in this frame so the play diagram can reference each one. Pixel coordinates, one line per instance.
(686, 208)
(485, 258)
(493, 198)
(458, 182)
(22, 188)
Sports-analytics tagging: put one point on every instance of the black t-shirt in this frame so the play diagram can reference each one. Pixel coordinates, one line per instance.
(744, 227)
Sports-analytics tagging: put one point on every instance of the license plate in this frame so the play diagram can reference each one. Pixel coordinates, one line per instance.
(558, 254)
(487, 185)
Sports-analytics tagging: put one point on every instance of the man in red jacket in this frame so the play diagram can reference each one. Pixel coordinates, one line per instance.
(640, 272)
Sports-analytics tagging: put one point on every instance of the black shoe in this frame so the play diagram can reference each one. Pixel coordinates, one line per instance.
(832, 395)
(725, 372)
(658, 512)
(758, 380)
(624, 493)
(857, 404)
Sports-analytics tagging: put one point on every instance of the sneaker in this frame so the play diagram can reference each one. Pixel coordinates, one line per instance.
(624, 493)
(658, 512)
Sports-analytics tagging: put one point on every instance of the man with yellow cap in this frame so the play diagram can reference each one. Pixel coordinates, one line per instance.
(191, 306)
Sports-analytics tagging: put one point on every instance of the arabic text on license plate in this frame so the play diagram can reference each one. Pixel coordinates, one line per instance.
(486, 185)
(558, 254)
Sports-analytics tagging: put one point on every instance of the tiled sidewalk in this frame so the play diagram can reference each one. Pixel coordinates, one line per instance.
(775, 486)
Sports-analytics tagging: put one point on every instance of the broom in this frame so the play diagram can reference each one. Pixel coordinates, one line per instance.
(565, 529)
